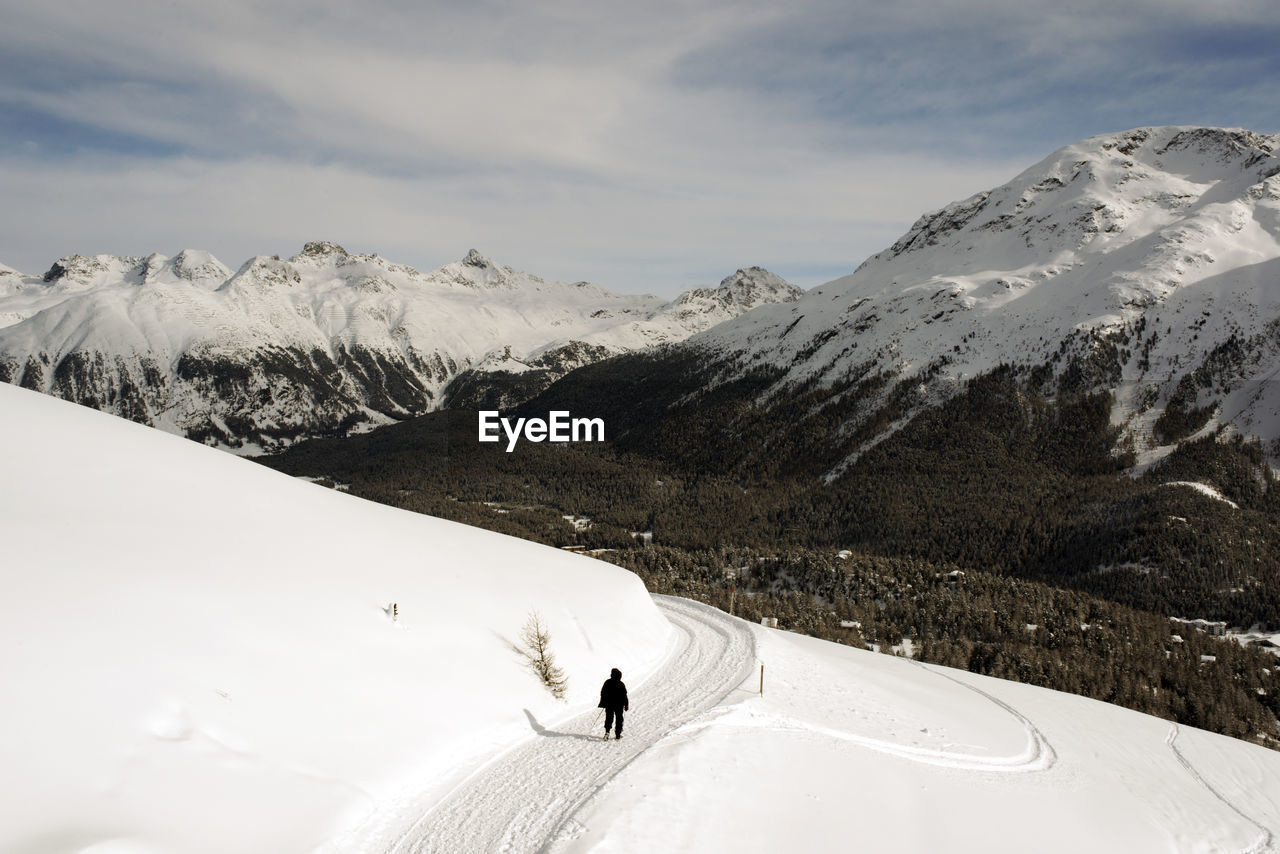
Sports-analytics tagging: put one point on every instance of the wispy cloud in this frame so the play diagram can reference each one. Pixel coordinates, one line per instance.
(646, 146)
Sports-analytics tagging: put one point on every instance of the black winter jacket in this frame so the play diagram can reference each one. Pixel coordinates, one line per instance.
(613, 694)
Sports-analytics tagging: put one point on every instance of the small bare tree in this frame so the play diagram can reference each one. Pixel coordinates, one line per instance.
(537, 643)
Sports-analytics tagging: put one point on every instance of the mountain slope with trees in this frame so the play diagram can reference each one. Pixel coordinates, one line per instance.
(1101, 427)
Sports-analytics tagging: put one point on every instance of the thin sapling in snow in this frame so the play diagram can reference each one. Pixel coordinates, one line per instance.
(537, 642)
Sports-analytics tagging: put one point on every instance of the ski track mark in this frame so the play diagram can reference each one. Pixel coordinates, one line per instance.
(1039, 755)
(1265, 840)
(524, 800)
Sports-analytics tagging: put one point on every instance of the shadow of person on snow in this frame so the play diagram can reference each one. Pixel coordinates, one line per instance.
(550, 733)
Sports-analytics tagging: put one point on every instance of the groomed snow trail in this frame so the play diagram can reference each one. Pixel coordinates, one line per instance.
(528, 793)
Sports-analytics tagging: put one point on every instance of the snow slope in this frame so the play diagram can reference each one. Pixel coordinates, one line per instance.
(529, 795)
(853, 750)
(199, 657)
(1142, 257)
(850, 749)
(318, 342)
(198, 654)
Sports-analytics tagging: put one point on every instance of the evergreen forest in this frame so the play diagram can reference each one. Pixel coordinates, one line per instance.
(1002, 530)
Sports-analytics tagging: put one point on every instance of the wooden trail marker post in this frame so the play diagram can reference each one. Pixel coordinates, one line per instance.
(762, 679)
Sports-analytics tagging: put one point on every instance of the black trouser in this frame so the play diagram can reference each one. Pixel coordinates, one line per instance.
(608, 720)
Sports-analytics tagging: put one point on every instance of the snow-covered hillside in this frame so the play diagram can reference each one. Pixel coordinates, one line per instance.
(852, 750)
(317, 343)
(1140, 258)
(200, 656)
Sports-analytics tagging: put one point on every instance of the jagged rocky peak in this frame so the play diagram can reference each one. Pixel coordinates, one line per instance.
(1192, 153)
(1198, 155)
(475, 270)
(264, 271)
(189, 264)
(1225, 144)
(80, 272)
(745, 289)
(196, 264)
(475, 259)
(154, 264)
(757, 279)
(320, 250)
(748, 288)
(74, 266)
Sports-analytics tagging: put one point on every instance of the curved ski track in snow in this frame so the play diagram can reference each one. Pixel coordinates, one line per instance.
(521, 800)
(1264, 840)
(1037, 755)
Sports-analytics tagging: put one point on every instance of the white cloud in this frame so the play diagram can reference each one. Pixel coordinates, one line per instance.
(645, 146)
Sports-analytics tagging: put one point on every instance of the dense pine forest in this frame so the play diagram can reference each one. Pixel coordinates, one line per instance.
(997, 532)
(978, 621)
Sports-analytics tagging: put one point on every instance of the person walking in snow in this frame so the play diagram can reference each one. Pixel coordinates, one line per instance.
(613, 699)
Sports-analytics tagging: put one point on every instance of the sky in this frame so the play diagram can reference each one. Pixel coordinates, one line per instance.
(646, 147)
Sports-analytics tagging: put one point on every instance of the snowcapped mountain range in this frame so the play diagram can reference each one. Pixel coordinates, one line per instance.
(317, 343)
(1145, 262)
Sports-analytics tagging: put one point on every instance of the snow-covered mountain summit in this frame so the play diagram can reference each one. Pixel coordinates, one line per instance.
(502, 380)
(1148, 261)
(743, 290)
(316, 343)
